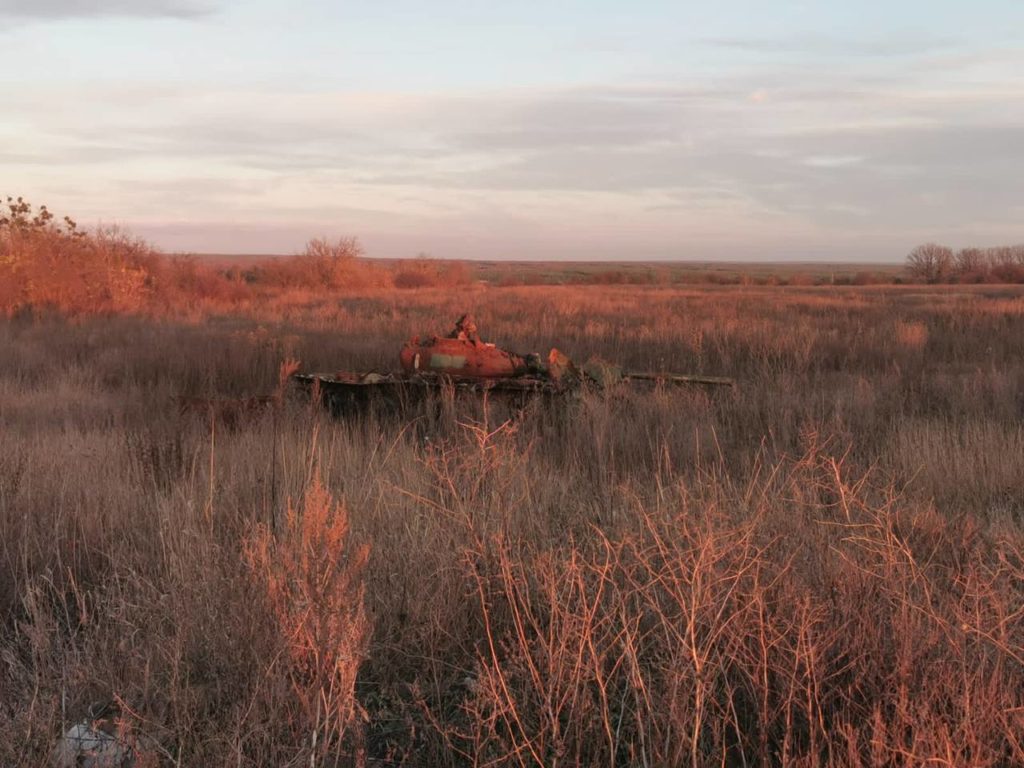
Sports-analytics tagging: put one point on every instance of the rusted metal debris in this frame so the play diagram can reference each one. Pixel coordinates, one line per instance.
(460, 361)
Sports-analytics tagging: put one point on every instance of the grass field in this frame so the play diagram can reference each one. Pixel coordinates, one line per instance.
(821, 567)
(635, 272)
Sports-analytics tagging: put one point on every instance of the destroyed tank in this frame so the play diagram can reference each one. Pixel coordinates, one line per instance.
(462, 362)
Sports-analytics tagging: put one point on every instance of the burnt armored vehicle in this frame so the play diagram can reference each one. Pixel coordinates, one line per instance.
(461, 362)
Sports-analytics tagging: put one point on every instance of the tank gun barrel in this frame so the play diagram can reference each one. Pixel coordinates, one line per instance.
(681, 379)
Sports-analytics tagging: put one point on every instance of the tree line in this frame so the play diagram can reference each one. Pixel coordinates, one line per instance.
(934, 263)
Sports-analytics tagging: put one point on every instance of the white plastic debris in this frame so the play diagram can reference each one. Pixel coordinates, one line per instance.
(86, 746)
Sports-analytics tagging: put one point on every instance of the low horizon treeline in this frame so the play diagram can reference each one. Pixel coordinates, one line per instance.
(935, 263)
(46, 264)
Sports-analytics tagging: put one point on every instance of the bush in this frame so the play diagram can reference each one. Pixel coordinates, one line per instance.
(323, 265)
(46, 265)
(412, 278)
(184, 280)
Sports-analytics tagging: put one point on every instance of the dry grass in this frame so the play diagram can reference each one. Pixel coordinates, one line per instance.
(824, 567)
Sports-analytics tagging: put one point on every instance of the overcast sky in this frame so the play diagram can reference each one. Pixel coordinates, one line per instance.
(633, 129)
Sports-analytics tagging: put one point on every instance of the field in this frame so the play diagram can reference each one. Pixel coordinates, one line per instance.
(507, 272)
(821, 567)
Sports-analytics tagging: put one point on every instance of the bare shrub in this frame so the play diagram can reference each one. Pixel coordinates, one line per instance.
(324, 265)
(182, 281)
(930, 263)
(695, 639)
(311, 575)
(413, 278)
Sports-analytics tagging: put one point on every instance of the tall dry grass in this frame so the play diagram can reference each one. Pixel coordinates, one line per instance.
(822, 567)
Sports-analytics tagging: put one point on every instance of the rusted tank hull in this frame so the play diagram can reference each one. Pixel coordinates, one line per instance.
(349, 394)
(461, 358)
(461, 363)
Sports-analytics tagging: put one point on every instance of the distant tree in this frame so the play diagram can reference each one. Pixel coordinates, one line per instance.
(971, 265)
(931, 262)
(970, 260)
(1007, 263)
(1001, 256)
(345, 249)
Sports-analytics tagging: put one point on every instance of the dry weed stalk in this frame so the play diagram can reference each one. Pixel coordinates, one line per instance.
(692, 639)
(311, 575)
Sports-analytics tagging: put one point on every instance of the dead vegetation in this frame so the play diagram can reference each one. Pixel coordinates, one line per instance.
(48, 266)
(822, 568)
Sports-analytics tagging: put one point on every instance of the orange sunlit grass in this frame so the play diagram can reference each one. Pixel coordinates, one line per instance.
(822, 566)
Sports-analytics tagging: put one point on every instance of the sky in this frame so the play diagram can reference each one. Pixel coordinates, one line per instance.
(566, 129)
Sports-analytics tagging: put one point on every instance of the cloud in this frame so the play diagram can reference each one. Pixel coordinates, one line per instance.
(824, 45)
(832, 161)
(41, 10)
(836, 157)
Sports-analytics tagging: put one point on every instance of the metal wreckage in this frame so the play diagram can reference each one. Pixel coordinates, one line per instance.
(461, 362)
